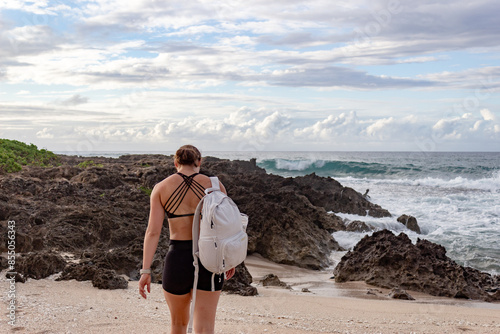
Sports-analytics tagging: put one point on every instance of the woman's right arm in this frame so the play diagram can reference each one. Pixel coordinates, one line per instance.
(153, 231)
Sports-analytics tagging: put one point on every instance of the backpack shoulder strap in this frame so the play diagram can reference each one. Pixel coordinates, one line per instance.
(215, 185)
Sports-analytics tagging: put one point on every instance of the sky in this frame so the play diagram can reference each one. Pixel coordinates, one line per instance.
(274, 75)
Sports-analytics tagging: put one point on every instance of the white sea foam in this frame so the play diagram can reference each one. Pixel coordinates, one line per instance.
(348, 240)
(491, 184)
(459, 183)
(298, 165)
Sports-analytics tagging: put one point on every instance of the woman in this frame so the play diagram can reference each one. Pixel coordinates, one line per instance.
(177, 196)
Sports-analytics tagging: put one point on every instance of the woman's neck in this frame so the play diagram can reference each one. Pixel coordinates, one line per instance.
(188, 170)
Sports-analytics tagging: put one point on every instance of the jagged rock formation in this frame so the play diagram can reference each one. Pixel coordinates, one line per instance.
(41, 265)
(331, 195)
(390, 261)
(99, 214)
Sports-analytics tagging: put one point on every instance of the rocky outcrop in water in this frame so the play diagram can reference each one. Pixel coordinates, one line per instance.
(357, 226)
(331, 195)
(99, 214)
(410, 222)
(391, 261)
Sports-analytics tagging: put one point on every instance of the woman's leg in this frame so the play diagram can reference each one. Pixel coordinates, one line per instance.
(204, 311)
(179, 311)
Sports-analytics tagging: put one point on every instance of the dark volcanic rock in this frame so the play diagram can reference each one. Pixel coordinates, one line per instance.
(358, 226)
(99, 214)
(273, 280)
(39, 265)
(78, 271)
(240, 283)
(331, 195)
(98, 177)
(283, 225)
(388, 261)
(410, 222)
(101, 278)
(108, 279)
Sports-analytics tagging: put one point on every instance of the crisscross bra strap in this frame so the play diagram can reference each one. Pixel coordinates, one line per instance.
(175, 200)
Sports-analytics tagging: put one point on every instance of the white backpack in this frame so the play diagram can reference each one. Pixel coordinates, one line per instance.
(220, 240)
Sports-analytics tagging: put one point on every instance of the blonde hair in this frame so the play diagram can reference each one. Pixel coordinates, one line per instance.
(187, 155)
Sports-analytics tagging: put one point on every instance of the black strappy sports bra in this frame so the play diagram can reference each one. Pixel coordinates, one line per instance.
(175, 200)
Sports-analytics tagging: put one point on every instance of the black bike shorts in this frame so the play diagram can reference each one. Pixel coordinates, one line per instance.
(178, 270)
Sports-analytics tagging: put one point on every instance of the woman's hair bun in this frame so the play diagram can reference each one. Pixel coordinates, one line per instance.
(187, 155)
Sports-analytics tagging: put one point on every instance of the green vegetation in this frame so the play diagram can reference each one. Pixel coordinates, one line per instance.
(89, 163)
(15, 154)
(146, 190)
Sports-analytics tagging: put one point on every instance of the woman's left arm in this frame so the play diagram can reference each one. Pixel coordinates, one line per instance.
(155, 224)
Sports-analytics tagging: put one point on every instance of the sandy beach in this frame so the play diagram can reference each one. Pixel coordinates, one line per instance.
(47, 306)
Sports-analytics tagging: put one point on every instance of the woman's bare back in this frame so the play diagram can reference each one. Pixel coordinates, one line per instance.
(180, 200)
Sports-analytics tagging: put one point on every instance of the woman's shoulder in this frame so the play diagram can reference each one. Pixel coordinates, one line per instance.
(203, 175)
(209, 182)
(166, 181)
(176, 178)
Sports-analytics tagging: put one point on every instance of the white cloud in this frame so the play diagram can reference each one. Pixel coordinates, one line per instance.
(331, 127)
(254, 130)
(231, 52)
(477, 126)
(27, 40)
(379, 127)
(418, 60)
(242, 117)
(487, 115)
(466, 127)
(40, 7)
(44, 134)
(393, 129)
(483, 81)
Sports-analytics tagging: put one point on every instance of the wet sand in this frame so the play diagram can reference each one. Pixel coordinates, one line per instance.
(47, 306)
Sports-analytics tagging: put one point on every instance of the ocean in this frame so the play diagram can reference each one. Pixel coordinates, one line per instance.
(454, 196)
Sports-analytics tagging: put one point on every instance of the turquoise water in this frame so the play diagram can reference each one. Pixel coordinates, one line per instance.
(454, 196)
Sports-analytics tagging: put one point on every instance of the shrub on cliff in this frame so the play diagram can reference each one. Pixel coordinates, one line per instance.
(15, 154)
(88, 164)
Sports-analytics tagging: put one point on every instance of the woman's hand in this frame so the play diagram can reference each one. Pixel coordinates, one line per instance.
(145, 281)
(230, 273)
